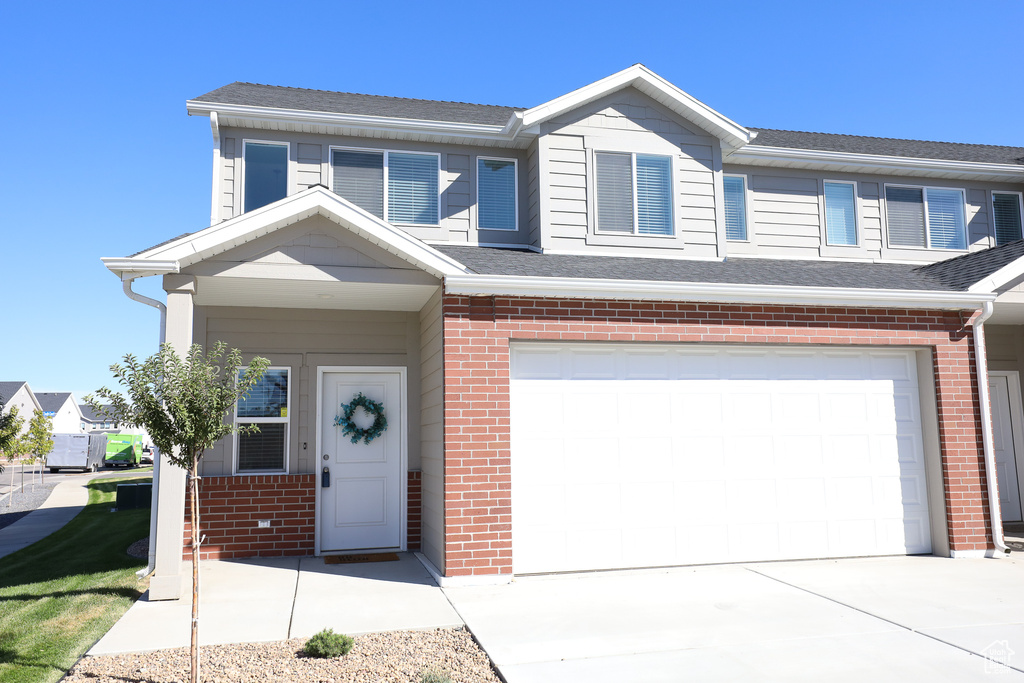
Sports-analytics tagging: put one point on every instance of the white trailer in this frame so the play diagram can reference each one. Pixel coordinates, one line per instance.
(76, 451)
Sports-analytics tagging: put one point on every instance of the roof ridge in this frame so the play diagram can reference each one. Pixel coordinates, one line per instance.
(878, 137)
(388, 97)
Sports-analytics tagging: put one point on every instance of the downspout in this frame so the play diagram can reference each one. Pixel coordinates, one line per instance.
(981, 365)
(215, 129)
(126, 281)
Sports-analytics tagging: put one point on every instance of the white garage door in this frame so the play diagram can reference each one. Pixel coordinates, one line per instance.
(633, 456)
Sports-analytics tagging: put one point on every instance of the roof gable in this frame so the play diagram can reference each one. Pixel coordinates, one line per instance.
(51, 402)
(657, 88)
(173, 256)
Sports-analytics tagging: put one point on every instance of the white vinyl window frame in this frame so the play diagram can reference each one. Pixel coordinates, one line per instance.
(1020, 209)
(387, 153)
(748, 209)
(927, 222)
(287, 166)
(859, 238)
(265, 420)
(515, 191)
(636, 204)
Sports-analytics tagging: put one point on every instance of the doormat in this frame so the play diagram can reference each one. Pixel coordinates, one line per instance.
(353, 559)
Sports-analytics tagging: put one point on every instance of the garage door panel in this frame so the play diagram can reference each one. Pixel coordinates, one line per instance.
(810, 454)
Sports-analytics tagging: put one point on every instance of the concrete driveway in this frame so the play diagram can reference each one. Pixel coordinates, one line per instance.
(877, 619)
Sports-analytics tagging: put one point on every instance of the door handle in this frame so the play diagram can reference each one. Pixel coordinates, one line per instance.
(325, 478)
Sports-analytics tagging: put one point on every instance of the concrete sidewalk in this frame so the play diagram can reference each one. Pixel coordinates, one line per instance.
(281, 598)
(65, 501)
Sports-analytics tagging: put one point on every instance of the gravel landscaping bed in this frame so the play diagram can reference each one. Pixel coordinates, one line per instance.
(23, 502)
(393, 657)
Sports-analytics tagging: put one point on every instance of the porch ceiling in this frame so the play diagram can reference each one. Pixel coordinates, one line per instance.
(323, 294)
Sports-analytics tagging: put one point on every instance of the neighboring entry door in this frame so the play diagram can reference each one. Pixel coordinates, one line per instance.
(1005, 392)
(362, 508)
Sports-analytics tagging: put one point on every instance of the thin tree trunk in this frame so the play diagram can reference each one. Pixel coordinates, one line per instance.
(195, 569)
(10, 496)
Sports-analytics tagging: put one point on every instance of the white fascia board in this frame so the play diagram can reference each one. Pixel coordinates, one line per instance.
(648, 82)
(586, 288)
(999, 279)
(874, 163)
(315, 200)
(254, 115)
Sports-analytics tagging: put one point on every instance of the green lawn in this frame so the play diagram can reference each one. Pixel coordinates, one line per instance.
(60, 595)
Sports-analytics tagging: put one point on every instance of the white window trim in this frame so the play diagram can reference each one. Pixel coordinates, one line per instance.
(636, 205)
(515, 197)
(992, 204)
(927, 226)
(748, 208)
(856, 214)
(387, 153)
(271, 420)
(287, 168)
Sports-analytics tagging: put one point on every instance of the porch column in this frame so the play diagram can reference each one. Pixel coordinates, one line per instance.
(165, 583)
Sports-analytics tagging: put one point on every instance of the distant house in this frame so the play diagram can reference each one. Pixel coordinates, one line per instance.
(62, 409)
(93, 421)
(20, 395)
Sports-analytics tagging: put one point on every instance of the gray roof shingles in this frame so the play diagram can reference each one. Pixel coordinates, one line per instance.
(50, 402)
(9, 389)
(750, 271)
(279, 97)
(916, 149)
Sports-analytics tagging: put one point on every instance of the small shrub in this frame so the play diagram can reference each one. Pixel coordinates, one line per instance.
(328, 644)
(435, 676)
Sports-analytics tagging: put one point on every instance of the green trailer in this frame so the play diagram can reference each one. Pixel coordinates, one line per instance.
(123, 450)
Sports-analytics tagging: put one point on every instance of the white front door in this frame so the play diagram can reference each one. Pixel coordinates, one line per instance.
(1006, 436)
(362, 508)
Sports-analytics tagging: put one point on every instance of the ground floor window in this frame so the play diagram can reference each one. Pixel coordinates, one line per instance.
(266, 406)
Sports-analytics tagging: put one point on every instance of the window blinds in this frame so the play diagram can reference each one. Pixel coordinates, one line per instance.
(1006, 216)
(496, 194)
(946, 219)
(359, 178)
(653, 195)
(735, 208)
(614, 192)
(412, 188)
(840, 215)
(904, 209)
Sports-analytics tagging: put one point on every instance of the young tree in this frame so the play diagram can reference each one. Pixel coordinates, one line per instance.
(39, 438)
(10, 426)
(182, 403)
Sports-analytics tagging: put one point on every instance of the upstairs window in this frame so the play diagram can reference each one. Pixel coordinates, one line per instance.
(266, 173)
(735, 207)
(840, 214)
(1006, 215)
(925, 217)
(266, 406)
(634, 193)
(496, 194)
(361, 177)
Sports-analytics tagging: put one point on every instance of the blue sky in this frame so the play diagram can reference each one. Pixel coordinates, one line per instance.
(102, 159)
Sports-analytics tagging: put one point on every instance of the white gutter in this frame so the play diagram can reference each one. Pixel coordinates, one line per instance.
(981, 366)
(711, 292)
(127, 280)
(876, 163)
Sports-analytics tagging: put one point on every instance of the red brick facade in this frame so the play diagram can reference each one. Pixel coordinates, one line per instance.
(477, 332)
(232, 506)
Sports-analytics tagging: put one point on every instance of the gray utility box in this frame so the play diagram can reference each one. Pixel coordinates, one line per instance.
(75, 451)
(132, 496)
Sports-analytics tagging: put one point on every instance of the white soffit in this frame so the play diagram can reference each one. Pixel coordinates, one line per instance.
(275, 293)
(850, 162)
(224, 236)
